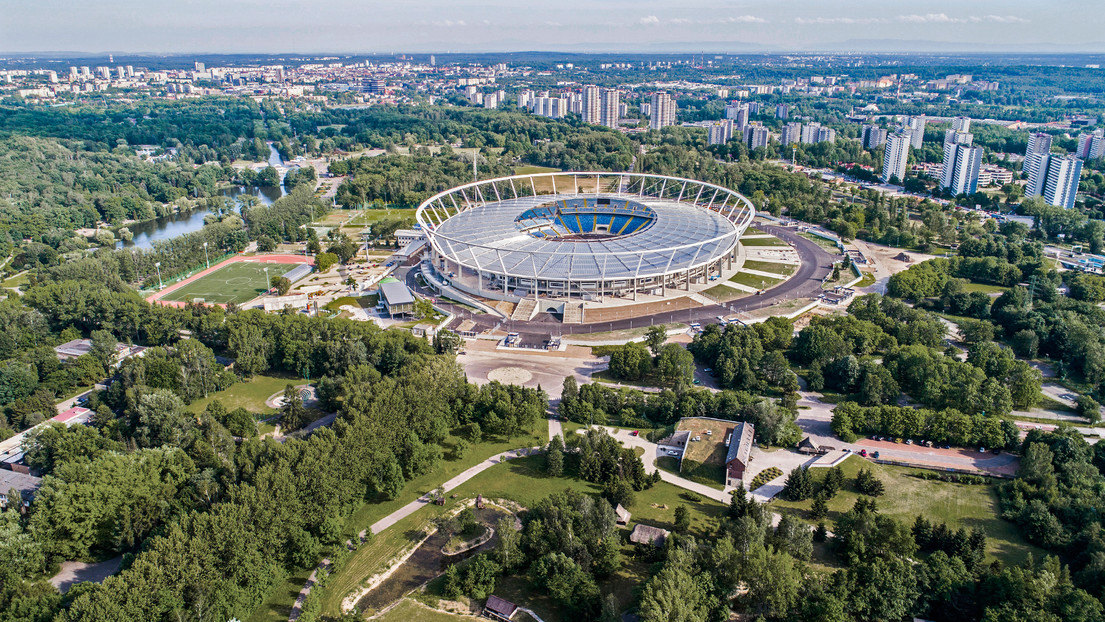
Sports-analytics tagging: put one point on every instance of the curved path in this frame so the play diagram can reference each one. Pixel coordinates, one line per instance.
(806, 283)
(411, 508)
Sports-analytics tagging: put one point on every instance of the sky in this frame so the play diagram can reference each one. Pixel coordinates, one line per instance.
(352, 26)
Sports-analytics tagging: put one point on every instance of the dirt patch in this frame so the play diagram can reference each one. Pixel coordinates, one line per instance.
(510, 375)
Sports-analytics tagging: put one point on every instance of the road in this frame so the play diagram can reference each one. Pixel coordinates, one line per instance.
(806, 283)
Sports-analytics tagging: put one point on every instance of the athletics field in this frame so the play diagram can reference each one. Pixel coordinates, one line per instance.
(236, 282)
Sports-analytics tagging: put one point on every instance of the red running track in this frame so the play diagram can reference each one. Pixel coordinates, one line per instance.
(156, 297)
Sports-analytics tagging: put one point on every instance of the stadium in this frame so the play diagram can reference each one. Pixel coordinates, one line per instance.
(583, 236)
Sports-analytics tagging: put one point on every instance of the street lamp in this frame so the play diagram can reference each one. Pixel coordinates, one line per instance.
(205, 256)
(268, 284)
(160, 285)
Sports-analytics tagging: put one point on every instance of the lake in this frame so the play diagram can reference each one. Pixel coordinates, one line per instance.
(148, 231)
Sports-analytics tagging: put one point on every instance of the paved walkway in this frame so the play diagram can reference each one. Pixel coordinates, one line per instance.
(411, 508)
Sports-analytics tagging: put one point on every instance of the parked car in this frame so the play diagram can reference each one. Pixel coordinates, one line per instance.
(635, 433)
(863, 452)
(875, 455)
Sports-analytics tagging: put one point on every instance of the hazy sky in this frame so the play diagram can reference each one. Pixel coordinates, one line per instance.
(510, 25)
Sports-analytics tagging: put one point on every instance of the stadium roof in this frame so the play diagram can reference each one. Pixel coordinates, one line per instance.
(681, 237)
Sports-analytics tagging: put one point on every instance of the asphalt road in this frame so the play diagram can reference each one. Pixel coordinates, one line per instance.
(806, 283)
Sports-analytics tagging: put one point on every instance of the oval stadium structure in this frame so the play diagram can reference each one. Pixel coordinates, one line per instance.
(583, 235)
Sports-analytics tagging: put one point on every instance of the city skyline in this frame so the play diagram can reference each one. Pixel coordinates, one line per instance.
(281, 26)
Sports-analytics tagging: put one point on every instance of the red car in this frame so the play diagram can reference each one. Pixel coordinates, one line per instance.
(863, 453)
(634, 433)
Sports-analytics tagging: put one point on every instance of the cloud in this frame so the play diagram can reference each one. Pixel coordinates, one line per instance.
(650, 20)
(837, 20)
(744, 19)
(448, 23)
(1006, 19)
(943, 18)
(927, 18)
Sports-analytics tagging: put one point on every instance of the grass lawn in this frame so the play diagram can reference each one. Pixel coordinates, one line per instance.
(278, 604)
(410, 610)
(867, 280)
(958, 505)
(828, 245)
(723, 293)
(529, 170)
(249, 394)
(236, 282)
(15, 281)
(984, 288)
(369, 216)
(364, 302)
(754, 280)
(770, 266)
(706, 474)
(763, 242)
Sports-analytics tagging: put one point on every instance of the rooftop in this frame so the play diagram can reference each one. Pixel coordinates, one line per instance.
(647, 534)
(396, 293)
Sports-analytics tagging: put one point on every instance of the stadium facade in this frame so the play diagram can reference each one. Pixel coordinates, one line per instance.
(583, 235)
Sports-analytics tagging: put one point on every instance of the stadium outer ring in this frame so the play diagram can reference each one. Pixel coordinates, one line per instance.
(434, 211)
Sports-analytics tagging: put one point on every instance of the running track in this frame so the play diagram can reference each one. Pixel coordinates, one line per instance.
(156, 297)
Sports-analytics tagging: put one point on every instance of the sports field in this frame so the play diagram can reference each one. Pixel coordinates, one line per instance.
(235, 282)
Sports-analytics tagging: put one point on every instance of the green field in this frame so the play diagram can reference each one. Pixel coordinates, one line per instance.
(237, 282)
(754, 280)
(723, 293)
(770, 266)
(249, 394)
(369, 216)
(958, 505)
(762, 242)
(985, 288)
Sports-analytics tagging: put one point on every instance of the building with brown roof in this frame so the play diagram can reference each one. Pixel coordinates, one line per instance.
(499, 609)
(647, 534)
(739, 454)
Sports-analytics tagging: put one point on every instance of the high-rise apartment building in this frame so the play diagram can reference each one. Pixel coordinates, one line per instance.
(961, 124)
(1038, 142)
(756, 135)
(960, 174)
(952, 140)
(661, 111)
(791, 133)
(738, 113)
(720, 132)
(1055, 178)
(895, 156)
(1091, 146)
(814, 132)
(873, 136)
(916, 126)
(591, 110)
(782, 111)
(608, 115)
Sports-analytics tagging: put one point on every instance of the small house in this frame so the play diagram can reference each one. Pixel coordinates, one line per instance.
(499, 609)
(807, 446)
(647, 534)
(623, 516)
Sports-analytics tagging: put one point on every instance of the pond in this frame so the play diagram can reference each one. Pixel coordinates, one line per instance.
(426, 563)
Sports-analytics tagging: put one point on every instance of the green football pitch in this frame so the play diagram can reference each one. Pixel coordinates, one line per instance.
(236, 282)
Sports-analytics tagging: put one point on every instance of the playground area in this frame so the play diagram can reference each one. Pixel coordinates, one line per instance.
(237, 280)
